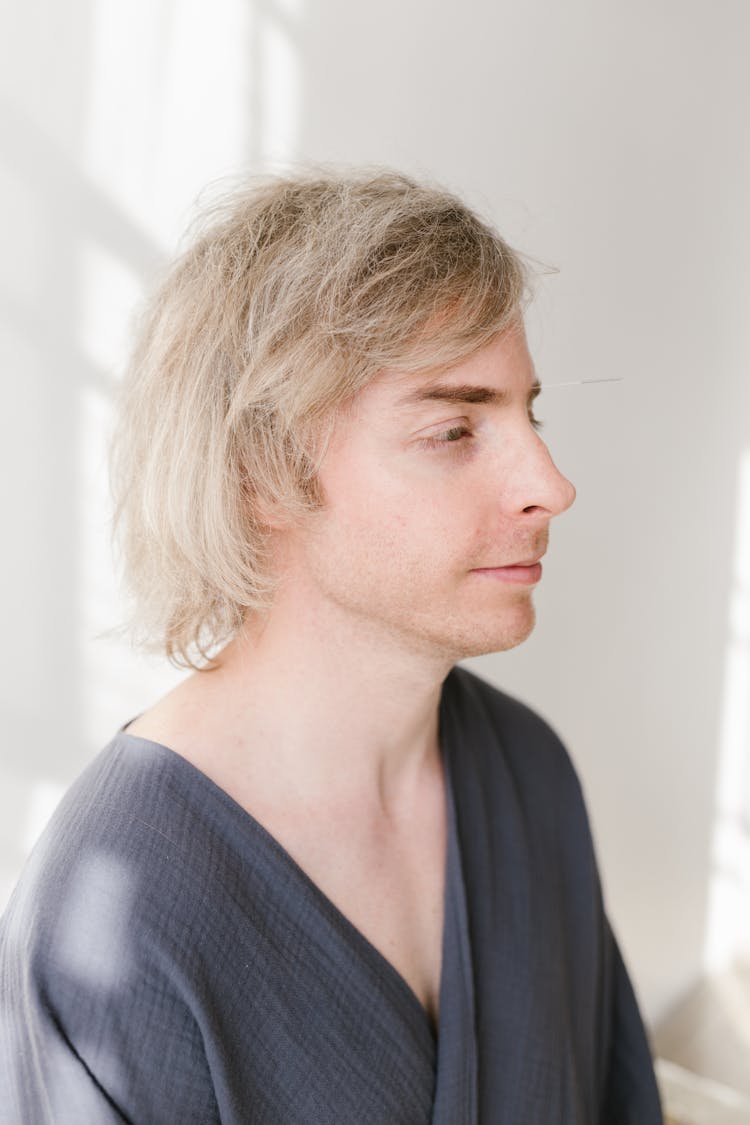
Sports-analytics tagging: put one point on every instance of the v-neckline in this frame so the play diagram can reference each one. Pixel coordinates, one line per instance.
(324, 901)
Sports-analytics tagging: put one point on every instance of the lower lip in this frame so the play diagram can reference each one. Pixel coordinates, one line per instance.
(522, 575)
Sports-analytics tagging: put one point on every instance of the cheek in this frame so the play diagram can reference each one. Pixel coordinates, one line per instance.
(412, 521)
(416, 539)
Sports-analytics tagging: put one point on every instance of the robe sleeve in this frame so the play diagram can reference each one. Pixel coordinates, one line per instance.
(43, 1079)
(93, 1031)
(74, 1053)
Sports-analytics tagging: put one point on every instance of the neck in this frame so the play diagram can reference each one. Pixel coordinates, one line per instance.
(329, 708)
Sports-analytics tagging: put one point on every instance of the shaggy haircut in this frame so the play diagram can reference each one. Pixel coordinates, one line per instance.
(293, 293)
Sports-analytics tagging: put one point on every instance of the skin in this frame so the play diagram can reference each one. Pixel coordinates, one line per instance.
(321, 719)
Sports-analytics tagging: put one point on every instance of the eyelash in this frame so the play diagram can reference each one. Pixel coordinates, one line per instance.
(441, 440)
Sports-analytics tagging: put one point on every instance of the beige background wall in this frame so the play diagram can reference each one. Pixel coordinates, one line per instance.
(607, 139)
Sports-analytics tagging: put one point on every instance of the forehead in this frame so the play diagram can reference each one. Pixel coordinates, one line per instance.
(493, 376)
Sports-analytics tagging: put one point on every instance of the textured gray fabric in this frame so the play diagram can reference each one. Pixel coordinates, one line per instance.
(164, 961)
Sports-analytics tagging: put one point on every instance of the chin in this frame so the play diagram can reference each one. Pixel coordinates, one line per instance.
(483, 647)
(488, 635)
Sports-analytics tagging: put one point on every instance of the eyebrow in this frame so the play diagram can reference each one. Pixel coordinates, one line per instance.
(463, 392)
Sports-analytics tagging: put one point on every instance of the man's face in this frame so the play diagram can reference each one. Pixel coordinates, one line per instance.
(428, 499)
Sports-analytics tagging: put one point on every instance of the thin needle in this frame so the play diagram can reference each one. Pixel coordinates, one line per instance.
(578, 382)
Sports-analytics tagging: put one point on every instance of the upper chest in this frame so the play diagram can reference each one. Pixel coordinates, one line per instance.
(384, 873)
(388, 882)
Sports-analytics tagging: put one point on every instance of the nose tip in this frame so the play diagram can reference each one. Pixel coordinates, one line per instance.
(561, 493)
(571, 494)
(552, 492)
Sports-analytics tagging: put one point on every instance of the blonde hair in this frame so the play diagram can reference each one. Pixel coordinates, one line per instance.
(294, 292)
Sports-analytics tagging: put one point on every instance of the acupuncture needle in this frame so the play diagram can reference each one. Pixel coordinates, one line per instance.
(579, 382)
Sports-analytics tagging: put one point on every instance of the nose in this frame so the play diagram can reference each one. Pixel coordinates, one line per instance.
(542, 490)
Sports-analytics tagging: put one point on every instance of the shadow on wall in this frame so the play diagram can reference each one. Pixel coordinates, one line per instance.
(58, 221)
(133, 111)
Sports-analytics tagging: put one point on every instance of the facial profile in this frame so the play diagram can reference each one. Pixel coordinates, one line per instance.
(431, 503)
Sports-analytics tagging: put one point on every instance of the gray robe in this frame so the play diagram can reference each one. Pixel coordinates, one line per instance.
(164, 961)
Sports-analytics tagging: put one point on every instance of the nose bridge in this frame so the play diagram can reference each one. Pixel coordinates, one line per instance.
(539, 484)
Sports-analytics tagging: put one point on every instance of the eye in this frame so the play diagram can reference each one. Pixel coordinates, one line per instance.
(537, 423)
(453, 436)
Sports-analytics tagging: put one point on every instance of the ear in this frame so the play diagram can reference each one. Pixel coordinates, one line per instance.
(266, 513)
(277, 514)
(269, 516)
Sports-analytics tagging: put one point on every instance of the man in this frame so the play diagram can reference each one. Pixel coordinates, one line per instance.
(330, 877)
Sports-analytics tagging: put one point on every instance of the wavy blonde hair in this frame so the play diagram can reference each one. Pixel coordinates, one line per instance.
(294, 292)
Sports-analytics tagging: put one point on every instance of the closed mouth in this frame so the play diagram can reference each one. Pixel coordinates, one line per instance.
(506, 566)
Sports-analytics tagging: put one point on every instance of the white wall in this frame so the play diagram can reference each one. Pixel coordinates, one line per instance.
(609, 140)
